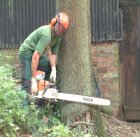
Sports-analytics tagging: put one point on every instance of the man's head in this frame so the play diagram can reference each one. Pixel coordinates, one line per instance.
(60, 23)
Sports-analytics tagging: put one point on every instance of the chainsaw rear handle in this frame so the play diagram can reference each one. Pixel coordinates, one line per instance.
(52, 85)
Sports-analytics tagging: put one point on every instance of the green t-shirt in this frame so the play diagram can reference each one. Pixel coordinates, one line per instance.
(39, 40)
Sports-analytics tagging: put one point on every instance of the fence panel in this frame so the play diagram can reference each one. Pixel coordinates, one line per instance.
(106, 20)
(18, 18)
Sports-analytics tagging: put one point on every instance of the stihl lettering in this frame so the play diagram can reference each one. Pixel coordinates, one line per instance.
(87, 99)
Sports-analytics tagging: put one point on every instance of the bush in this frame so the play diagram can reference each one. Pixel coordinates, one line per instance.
(18, 116)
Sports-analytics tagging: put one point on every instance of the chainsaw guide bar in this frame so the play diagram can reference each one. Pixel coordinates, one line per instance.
(52, 93)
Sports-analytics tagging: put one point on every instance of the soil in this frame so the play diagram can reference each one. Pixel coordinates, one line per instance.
(118, 128)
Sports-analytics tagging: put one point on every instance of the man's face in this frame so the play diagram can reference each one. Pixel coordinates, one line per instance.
(59, 29)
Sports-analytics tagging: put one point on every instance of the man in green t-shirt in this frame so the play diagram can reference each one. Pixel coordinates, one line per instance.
(39, 52)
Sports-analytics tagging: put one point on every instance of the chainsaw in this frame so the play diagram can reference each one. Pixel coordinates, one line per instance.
(48, 90)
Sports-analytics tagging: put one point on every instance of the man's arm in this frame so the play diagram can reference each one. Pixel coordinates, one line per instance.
(52, 59)
(35, 61)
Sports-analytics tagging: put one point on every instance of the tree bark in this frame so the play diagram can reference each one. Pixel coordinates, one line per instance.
(74, 61)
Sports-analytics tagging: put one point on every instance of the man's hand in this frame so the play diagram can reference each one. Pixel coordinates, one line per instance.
(53, 74)
(33, 85)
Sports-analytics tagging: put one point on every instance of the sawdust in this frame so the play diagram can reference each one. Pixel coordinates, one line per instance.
(118, 128)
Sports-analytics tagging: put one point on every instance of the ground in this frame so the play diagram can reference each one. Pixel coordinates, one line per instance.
(118, 128)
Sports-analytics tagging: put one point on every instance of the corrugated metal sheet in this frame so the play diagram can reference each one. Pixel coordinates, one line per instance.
(106, 20)
(18, 18)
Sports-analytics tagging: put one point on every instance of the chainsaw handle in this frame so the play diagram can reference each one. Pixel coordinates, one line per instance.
(52, 85)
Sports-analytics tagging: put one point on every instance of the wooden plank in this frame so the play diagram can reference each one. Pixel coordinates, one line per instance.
(131, 108)
(132, 115)
(130, 62)
(130, 3)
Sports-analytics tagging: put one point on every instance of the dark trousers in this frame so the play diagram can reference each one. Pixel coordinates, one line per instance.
(26, 75)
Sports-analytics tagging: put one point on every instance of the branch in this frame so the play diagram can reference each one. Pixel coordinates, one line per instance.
(75, 124)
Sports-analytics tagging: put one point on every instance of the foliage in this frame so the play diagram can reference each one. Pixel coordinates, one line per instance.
(100, 127)
(107, 110)
(19, 116)
(16, 114)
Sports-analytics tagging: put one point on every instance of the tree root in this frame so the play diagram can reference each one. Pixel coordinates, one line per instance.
(84, 120)
(75, 124)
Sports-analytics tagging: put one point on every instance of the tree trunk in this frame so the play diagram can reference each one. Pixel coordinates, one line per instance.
(74, 62)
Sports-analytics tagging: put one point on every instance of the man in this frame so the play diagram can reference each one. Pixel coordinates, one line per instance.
(39, 52)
